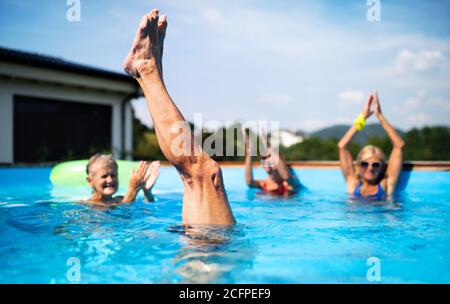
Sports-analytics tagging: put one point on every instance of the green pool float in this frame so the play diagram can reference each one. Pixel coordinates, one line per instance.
(73, 173)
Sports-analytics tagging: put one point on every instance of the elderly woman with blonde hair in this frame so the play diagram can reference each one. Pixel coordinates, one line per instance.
(372, 178)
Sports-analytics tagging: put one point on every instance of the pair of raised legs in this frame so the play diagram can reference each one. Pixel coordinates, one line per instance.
(205, 200)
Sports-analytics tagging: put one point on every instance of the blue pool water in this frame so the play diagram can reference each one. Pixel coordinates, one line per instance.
(317, 237)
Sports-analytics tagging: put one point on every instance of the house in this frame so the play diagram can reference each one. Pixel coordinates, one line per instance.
(285, 138)
(53, 110)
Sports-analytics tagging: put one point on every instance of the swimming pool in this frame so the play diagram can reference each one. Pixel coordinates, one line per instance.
(316, 237)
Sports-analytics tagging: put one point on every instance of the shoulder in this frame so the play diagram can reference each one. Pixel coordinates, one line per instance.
(352, 183)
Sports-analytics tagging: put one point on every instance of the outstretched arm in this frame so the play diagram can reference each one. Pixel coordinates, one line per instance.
(395, 164)
(345, 157)
(249, 163)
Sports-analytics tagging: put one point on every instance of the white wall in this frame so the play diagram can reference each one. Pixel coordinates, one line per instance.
(129, 130)
(6, 123)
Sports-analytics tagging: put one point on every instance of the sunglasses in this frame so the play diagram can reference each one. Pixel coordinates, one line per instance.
(375, 165)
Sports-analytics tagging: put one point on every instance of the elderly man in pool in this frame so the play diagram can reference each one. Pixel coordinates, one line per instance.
(102, 176)
(205, 201)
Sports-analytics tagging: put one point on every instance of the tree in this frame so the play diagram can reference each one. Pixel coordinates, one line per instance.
(145, 144)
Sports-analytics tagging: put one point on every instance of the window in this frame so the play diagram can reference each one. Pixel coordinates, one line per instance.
(47, 130)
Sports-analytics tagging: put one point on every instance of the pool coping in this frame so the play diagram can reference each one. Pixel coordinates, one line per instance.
(407, 165)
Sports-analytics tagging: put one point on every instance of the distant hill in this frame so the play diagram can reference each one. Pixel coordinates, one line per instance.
(339, 130)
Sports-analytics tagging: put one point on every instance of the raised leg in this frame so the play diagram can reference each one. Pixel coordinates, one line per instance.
(205, 200)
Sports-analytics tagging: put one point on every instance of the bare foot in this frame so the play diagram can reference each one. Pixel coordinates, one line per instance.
(145, 49)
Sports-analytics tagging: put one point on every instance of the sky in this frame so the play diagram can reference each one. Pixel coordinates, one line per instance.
(306, 64)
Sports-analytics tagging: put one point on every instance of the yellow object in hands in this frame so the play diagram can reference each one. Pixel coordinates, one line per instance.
(360, 122)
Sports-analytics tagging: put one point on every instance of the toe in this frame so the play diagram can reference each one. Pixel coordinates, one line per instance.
(162, 21)
(154, 13)
(162, 26)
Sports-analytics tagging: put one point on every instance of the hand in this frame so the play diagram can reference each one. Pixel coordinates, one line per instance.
(368, 108)
(151, 175)
(376, 105)
(138, 177)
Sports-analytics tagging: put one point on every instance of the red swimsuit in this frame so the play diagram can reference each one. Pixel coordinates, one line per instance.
(282, 189)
